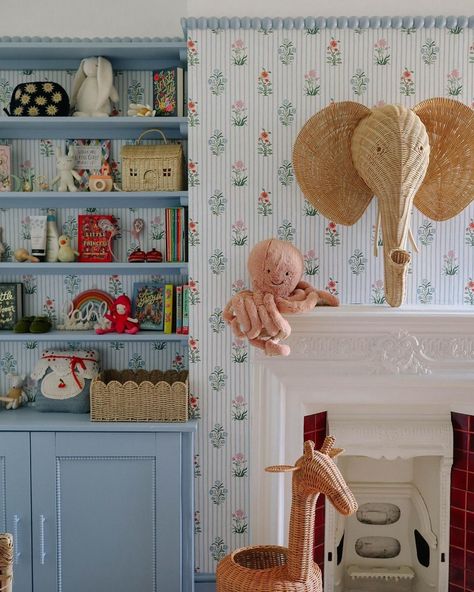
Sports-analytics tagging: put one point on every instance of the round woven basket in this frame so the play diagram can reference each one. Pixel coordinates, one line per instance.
(6, 562)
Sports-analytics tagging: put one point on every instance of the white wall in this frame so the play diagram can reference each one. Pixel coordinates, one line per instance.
(160, 18)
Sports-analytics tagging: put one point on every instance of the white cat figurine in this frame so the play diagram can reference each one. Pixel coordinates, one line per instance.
(93, 88)
(66, 173)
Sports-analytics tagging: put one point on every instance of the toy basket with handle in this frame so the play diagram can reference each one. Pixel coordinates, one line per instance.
(152, 167)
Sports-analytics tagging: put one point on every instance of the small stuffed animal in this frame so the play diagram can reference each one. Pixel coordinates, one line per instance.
(120, 321)
(15, 396)
(66, 253)
(66, 173)
(276, 268)
(22, 255)
(93, 88)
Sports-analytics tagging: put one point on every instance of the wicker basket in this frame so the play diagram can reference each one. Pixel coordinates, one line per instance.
(6, 562)
(129, 395)
(152, 167)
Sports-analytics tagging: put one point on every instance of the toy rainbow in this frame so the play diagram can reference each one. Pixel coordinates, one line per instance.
(92, 296)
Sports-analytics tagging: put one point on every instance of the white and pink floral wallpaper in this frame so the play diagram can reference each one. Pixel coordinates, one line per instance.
(250, 92)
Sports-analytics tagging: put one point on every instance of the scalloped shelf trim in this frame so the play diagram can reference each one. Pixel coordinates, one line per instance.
(332, 22)
(98, 40)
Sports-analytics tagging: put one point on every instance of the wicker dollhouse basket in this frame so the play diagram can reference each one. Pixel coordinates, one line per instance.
(149, 167)
(129, 395)
(6, 562)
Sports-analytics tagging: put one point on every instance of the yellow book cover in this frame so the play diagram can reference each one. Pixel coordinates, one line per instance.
(168, 308)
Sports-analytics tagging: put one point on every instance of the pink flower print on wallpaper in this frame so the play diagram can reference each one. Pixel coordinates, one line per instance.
(193, 233)
(193, 409)
(239, 176)
(450, 265)
(193, 115)
(264, 83)
(333, 52)
(192, 50)
(454, 84)
(194, 294)
(239, 465)
(239, 233)
(331, 235)
(178, 362)
(264, 207)
(469, 292)
(239, 522)
(407, 83)
(311, 263)
(312, 87)
(239, 351)
(331, 286)
(49, 309)
(264, 144)
(193, 350)
(377, 295)
(238, 286)
(469, 235)
(193, 173)
(381, 52)
(239, 408)
(239, 53)
(239, 114)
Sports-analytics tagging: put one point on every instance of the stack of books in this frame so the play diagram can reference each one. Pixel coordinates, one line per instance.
(176, 230)
(161, 307)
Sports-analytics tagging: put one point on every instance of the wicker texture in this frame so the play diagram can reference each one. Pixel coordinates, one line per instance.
(6, 562)
(347, 153)
(152, 167)
(266, 568)
(129, 395)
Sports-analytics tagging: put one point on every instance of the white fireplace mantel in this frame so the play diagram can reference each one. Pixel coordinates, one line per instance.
(367, 361)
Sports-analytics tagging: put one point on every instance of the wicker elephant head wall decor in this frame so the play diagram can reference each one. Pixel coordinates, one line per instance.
(347, 153)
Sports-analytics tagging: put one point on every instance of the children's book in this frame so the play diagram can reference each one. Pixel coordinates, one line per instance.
(95, 235)
(179, 309)
(149, 305)
(185, 328)
(168, 92)
(169, 308)
(11, 304)
(90, 157)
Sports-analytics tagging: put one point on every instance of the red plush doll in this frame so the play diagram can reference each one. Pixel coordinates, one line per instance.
(119, 319)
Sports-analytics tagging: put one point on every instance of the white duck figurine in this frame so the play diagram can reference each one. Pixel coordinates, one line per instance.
(66, 253)
(93, 88)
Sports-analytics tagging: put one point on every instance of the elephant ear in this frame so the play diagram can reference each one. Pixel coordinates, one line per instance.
(448, 186)
(323, 163)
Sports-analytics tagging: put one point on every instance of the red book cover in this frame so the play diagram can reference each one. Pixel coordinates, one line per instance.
(95, 233)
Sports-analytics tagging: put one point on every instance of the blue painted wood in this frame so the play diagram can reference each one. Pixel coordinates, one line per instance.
(91, 336)
(89, 127)
(93, 268)
(107, 512)
(205, 582)
(114, 199)
(15, 508)
(62, 54)
(187, 507)
(27, 419)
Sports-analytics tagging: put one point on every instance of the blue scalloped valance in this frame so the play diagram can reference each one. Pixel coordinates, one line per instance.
(15, 39)
(341, 22)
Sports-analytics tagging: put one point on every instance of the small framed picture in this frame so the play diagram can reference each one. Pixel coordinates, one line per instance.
(91, 156)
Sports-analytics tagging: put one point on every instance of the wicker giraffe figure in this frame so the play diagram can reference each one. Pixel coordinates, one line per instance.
(265, 568)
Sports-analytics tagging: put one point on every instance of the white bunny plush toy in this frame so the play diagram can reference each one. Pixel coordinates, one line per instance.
(93, 88)
(66, 173)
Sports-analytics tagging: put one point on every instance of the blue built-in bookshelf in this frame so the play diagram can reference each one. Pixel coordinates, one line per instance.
(54, 59)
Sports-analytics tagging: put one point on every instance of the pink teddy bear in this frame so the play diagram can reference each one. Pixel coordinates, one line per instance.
(276, 268)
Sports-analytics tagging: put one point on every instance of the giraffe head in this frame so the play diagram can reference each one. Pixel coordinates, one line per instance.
(316, 472)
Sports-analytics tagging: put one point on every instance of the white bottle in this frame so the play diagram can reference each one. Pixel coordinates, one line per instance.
(52, 236)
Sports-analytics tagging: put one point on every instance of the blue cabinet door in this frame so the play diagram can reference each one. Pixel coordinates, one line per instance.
(15, 503)
(107, 512)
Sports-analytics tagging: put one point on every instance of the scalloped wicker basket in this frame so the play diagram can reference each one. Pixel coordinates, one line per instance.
(129, 395)
(6, 562)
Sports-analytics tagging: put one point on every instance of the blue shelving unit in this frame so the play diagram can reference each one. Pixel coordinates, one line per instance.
(116, 199)
(66, 336)
(93, 268)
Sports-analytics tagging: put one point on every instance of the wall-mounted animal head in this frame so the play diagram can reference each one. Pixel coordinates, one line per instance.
(347, 153)
(316, 472)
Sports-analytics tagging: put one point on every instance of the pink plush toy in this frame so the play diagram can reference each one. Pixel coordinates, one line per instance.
(275, 268)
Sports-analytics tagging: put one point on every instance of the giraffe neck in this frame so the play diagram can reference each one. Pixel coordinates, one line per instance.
(301, 535)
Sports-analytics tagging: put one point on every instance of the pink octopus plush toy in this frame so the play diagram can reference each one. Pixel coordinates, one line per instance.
(276, 268)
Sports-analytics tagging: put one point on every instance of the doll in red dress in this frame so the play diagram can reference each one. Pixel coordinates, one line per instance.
(119, 319)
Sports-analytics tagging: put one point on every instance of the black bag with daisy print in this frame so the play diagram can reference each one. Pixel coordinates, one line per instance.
(39, 99)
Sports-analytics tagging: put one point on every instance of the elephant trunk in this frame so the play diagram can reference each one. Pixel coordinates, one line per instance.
(396, 262)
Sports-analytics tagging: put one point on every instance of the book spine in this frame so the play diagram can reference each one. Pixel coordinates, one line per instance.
(179, 309)
(168, 233)
(168, 309)
(185, 329)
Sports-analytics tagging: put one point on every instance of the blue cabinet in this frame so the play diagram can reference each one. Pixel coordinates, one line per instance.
(111, 505)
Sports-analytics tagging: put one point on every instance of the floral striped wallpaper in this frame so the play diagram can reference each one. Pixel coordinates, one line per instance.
(250, 92)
